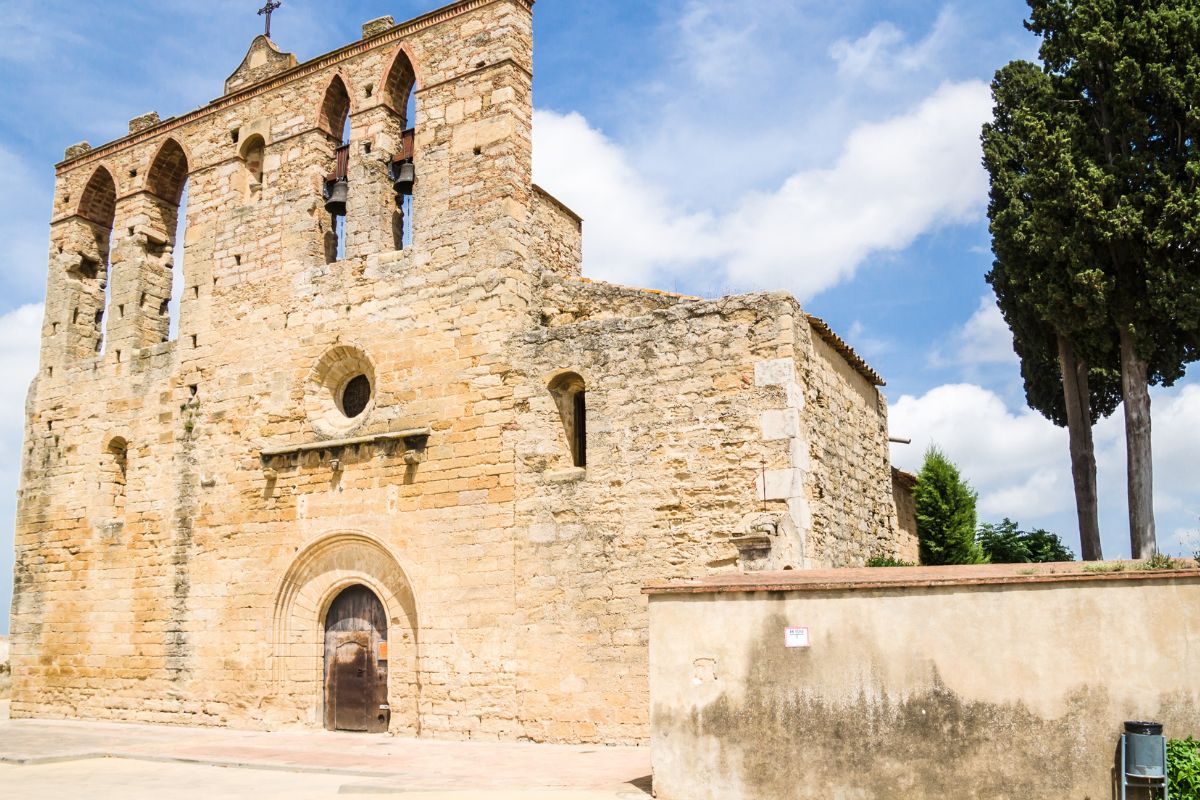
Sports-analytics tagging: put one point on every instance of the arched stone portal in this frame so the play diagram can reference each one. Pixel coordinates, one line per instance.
(319, 575)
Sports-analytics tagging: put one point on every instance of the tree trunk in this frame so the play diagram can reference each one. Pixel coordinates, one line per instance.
(1078, 397)
(1135, 390)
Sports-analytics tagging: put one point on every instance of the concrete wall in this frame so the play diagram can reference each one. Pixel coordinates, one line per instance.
(986, 682)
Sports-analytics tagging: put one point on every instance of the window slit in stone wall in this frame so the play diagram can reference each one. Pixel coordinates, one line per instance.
(579, 445)
(570, 397)
(114, 471)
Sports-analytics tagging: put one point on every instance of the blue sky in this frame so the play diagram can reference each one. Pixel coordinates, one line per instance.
(827, 148)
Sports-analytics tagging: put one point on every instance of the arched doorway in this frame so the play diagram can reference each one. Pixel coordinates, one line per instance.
(356, 662)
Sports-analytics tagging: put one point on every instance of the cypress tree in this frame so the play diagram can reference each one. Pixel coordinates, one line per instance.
(945, 513)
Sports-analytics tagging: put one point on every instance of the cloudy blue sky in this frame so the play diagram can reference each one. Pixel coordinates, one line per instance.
(827, 148)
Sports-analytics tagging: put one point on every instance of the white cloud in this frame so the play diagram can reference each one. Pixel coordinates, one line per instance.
(867, 342)
(984, 339)
(1176, 430)
(20, 342)
(1019, 462)
(1007, 457)
(24, 215)
(632, 232)
(716, 48)
(894, 181)
(883, 55)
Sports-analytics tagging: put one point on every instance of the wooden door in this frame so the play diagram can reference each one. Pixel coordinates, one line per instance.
(356, 663)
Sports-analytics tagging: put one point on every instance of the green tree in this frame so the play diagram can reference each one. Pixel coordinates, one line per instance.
(1060, 331)
(1113, 123)
(1046, 548)
(945, 513)
(1004, 543)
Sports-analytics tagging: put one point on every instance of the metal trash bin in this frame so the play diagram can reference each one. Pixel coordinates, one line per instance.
(1143, 757)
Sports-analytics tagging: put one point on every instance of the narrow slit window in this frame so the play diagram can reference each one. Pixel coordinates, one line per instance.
(579, 448)
(113, 477)
(570, 397)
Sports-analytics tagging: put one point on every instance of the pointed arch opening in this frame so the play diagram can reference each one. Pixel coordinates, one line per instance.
(400, 95)
(334, 120)
(335, 109)
(399, 88)
(165, 239)
(90, 264)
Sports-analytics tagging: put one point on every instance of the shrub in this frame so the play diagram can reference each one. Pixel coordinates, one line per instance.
(1003, 543)
(888, 561)
(1183, 768)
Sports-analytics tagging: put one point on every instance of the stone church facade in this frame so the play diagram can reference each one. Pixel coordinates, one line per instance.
(402, 467)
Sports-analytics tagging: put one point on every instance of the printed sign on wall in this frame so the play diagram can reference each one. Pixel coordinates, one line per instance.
(795, 637)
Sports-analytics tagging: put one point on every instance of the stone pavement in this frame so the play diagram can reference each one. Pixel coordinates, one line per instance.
(55, 758)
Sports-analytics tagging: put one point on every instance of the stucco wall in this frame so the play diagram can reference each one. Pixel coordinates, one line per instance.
(1015, 687)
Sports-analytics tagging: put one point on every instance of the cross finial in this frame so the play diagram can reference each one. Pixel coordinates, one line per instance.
(267, 11)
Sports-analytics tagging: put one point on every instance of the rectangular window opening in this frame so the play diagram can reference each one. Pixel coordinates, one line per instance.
(579, 446)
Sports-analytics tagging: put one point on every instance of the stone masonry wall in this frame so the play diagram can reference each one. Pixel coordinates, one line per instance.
(190, 507)
(853, 510)
(557, 235)
(175, 607)
(680, 429)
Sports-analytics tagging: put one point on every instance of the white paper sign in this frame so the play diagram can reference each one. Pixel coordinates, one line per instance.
(795, 637)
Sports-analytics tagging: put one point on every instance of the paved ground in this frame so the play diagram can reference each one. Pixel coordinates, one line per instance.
(50, 759)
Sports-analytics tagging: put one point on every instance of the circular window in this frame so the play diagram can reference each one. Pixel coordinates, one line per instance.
(356, 395)
(341, 391)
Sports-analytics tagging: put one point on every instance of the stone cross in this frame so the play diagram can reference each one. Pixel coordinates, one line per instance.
(267, 11)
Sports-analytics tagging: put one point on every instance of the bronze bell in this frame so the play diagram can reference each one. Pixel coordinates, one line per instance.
(335, 197)
(406, 177)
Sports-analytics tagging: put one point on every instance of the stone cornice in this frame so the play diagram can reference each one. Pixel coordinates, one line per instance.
(301, 71)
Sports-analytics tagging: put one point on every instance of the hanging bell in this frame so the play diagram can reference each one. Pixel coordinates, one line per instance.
(335, 197)
(406, 177)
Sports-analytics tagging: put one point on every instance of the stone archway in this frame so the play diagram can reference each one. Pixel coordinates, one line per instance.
(320, 572)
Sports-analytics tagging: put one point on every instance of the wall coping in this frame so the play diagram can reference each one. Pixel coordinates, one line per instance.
(860, 579)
